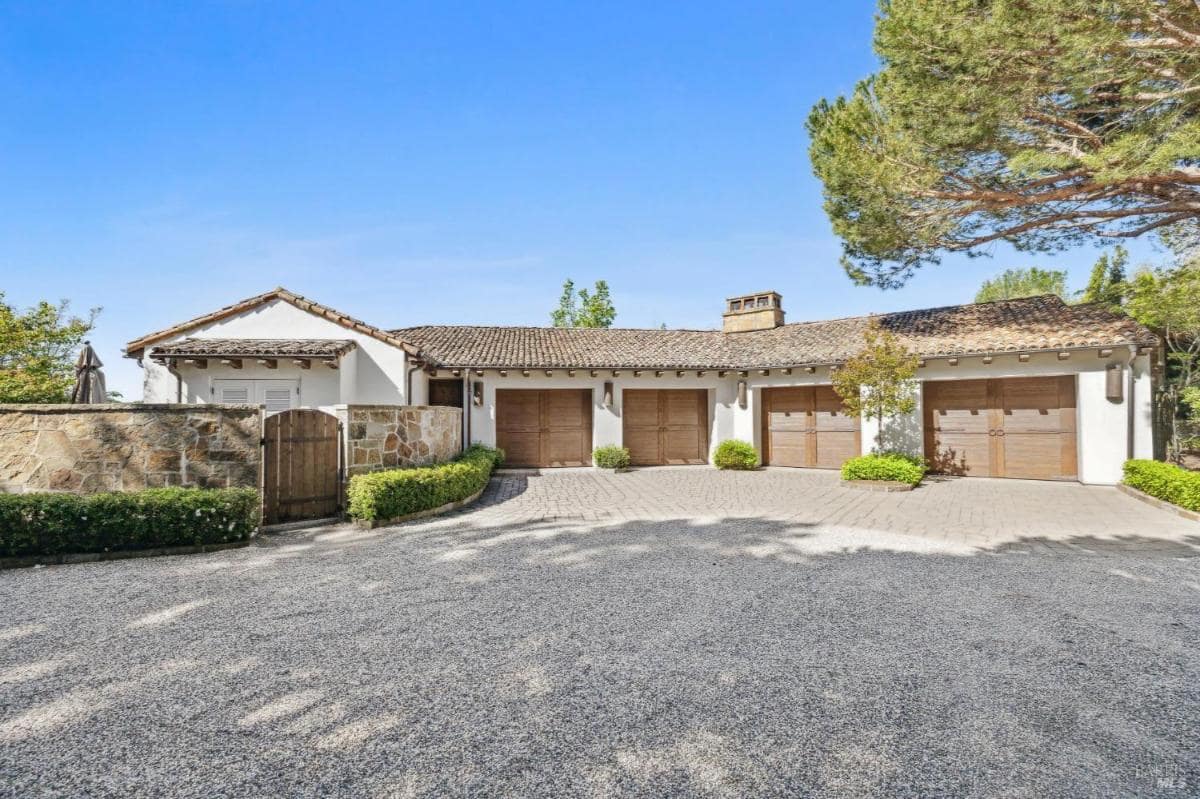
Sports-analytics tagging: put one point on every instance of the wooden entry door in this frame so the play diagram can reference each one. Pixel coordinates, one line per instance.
(544, 427)
(301, 468)
(1006, 427)
(808, 426)
(665, 426)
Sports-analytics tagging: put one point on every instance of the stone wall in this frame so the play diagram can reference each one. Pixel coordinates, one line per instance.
(391, 436)
(122, 447)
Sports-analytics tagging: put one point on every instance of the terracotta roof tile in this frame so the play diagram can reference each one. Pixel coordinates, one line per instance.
(254, 347)
(1030, 324)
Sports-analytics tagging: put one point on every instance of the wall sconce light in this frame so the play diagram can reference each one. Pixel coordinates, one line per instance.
(608, 393)
(1114, 383)
(477, 392)
(742, 394)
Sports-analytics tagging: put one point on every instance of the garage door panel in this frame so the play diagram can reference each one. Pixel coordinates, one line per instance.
(642, 446)
(564, 448)
(683, 446)
(962, 454)
(809, 426)
(520, 449)
(683, 409)
(544, 427)
(666, 426)
(789, 448)
(519, 410)
(835, 448)
(830, 414)
(1004, 427)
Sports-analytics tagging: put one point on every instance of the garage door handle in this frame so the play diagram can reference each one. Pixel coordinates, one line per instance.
(991, 432)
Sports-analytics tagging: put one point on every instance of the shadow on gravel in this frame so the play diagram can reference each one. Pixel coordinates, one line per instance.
(720, 656)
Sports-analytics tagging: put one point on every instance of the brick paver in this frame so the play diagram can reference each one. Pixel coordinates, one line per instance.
(955, 514)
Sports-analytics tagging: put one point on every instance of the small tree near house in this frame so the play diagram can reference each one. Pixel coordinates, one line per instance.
(877, 382)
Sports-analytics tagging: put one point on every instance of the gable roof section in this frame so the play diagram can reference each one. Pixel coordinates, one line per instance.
(1024, 325)
(134, 348)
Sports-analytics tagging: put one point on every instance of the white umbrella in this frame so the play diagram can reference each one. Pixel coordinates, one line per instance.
(89, 380)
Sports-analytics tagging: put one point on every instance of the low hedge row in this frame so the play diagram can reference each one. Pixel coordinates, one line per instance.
(897, 467)
(1165, 481)
(59, 524)
(399, 492)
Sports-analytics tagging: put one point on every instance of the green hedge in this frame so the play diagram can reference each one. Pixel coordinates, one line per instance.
(57, 524)
(611, 457)
(898, 467)
(1165, 481)
(735, 454)
(399, 492)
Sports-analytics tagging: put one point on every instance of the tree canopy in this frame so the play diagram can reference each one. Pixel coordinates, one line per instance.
(1107, 284)
(877, 382)
(38, 347)
(584, 308)
(1015, 283)
(1043, 123)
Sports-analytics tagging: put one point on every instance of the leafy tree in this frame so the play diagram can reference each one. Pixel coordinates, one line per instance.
(1165, 300)
(1043, 123)
(38, 347)
(584, 308)
(1107, 282)
(878, 381)
(1016, 283)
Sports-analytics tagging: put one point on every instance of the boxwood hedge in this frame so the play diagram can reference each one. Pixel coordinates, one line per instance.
(59, 524)
(1165, 481)
(896, 467)
(611, 457)
(399, 492)
(735, 454)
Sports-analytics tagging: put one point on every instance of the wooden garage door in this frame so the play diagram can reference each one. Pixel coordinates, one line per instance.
(544, 427)
(668, 426)
(808, 426)
(1012, 427)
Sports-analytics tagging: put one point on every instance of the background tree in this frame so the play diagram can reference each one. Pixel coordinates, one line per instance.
(38, 347)
(877, 383)
(1015, 283)
(1107, 283)
(1166, 301)
(1044, 123)
(584, 308)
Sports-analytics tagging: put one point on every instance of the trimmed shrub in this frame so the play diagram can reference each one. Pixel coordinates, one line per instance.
(58, 524)
(735, 454)
(399, 492)
(896, 467)
(1165, 481)
(611, 457)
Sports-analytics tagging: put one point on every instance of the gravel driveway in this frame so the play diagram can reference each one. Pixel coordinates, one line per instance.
(612, 645)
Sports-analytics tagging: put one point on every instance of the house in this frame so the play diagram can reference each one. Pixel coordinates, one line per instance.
(1028, 388)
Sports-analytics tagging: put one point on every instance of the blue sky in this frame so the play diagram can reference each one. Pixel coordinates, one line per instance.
(437, 162)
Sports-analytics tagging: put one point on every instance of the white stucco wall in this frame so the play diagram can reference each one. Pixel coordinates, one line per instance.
(373, 373)
(1104, 427)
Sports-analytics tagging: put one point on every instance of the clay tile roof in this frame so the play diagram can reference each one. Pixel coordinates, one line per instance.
(134, 348)
(254, 348)
(1024, 325)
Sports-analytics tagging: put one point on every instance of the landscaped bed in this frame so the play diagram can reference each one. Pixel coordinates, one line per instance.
(396, 494)
(1165, 481)
(885, 471)
(45, 526)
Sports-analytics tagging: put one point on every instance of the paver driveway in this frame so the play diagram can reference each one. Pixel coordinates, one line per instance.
(662, 632)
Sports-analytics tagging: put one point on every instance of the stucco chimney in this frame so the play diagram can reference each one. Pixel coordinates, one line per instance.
(761, 311)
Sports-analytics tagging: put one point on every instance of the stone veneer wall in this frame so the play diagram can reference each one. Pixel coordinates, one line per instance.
(392, 436)
(124, 447)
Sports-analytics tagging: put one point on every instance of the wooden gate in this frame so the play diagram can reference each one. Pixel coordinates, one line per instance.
(301, 469)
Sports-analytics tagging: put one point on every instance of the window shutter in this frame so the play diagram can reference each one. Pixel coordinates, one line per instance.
(277, 399)
(235, 396)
